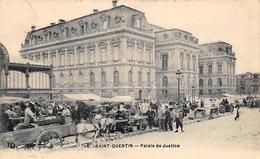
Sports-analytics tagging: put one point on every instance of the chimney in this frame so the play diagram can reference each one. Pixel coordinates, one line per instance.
(33, 27)
(95, 11)
(61, 20)
(114, 2)
(52, 24)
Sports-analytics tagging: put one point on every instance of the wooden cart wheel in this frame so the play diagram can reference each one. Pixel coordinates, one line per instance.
(49, 139)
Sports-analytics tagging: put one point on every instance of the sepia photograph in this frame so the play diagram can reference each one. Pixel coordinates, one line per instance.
(129, 79)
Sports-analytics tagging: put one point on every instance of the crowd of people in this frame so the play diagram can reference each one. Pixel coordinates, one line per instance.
(103, 117)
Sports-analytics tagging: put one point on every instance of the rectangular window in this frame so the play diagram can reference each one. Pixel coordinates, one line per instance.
(71, 58)
(92, 55)
(149, 58)
(130, 51)
(53, 60)
(219, 69)
(194, 63)
(188, 62)
(139, 53)
(62, 59)
(80, 58)
(164, 62)
(209, 69)
(116, 53)
(136, 22)
(105, 24)
(45, 59)
(201, 69)
(103, 52)
(182, 61)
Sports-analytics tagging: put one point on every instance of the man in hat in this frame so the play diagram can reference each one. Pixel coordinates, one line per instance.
(167, 119)
(161, 117)
(150, 114)
(236, 110)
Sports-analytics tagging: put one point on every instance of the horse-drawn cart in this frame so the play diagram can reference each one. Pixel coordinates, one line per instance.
(38, 136)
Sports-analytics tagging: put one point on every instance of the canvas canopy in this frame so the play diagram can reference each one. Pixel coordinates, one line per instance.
(11, 100)
(83, 97)
(119, 99)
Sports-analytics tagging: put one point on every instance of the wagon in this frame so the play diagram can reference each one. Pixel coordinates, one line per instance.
(45, 136)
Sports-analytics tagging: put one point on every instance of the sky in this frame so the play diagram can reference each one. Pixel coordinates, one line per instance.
(234, 21)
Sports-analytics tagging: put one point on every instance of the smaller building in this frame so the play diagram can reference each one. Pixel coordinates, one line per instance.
(25, 78)
(217, 65)
(176, 49)
(248, 83)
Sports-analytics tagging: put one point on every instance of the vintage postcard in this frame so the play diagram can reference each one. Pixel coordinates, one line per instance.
(129, 79)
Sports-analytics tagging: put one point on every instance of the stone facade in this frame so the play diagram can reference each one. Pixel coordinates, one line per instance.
(216, 69)
(248, 83)
(176, 50)
(117, 52)
(109, 53)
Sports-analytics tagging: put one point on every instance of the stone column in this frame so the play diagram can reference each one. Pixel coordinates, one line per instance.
(85, 55)
(66, 59)
(109, 52)
(97, 54)
(6, 77)
(51, 80)
(75, 56)
(27, 75)
(153, 55)
(185, 60)
(57, 60)
(144, 57)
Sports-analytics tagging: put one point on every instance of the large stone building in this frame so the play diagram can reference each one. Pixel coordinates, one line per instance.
(108, 53)
(216, 69)
(248, 83)
(117, 52)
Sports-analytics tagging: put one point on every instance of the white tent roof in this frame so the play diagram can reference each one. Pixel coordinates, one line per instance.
(83, 97)
(119, 99)
(90, 96)
(11, 100)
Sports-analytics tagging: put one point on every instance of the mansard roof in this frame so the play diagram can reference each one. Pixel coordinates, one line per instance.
(89, 15)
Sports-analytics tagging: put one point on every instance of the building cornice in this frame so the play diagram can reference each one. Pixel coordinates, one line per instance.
(87, 37)
(176, 43)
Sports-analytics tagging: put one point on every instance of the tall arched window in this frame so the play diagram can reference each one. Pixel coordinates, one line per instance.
(92, 79)
(130, 78)
(219, 81)
(103, 78)
(165, 81)
(116, 78)
(201, 83)
(210, 82)
(139, 78)
(148, 78)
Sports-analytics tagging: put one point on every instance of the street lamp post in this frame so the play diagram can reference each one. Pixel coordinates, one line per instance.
(178, 73)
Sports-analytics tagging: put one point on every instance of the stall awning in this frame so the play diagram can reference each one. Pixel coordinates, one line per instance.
(12, 100)
(83, 97)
